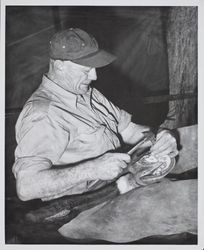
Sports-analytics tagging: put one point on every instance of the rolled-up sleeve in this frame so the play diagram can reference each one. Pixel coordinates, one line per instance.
(124, 120)
(41, 143)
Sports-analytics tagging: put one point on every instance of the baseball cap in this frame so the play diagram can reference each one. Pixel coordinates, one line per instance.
(79, 47)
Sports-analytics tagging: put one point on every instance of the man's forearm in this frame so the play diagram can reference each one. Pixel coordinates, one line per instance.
(53, 181)
(133, 133)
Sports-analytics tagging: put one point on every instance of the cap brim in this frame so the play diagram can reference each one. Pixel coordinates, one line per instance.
(99, 59)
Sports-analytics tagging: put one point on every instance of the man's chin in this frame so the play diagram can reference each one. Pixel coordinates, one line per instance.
(84, 88)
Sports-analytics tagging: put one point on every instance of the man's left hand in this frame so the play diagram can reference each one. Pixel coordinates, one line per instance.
(165, 145)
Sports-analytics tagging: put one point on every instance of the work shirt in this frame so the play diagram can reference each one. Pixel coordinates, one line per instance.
(57, 127)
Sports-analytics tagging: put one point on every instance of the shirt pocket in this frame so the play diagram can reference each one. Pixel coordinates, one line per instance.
(93, 141)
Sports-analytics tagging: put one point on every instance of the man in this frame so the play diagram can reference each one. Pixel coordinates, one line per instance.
(68, 131)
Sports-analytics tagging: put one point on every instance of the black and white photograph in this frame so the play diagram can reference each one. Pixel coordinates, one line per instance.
(101, 124)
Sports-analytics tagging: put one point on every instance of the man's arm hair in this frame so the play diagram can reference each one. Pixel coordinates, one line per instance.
(48, 182)
(54, 181)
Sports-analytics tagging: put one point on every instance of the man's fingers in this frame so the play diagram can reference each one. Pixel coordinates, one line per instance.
(165, 145)
(164, 141)
(166, 152)
(123, 164)
(161, 147)
(160, 134)
(122, 157)
(174, 153)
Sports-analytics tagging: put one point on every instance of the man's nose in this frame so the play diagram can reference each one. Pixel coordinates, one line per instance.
(92, 74)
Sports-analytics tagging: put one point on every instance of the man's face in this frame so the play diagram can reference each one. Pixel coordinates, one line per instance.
(77, 77)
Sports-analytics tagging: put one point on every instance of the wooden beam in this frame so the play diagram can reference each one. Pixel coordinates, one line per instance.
(167, 98)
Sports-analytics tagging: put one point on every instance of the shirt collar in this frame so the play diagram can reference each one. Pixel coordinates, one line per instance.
(63, 93)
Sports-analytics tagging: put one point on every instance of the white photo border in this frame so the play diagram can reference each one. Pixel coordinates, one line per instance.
(200, 4)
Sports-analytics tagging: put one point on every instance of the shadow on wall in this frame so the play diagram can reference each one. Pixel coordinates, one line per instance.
(121, 90)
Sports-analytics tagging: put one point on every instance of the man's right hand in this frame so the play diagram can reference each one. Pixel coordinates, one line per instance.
(110, 165)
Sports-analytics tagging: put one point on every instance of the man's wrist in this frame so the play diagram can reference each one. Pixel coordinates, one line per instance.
(89, 168)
